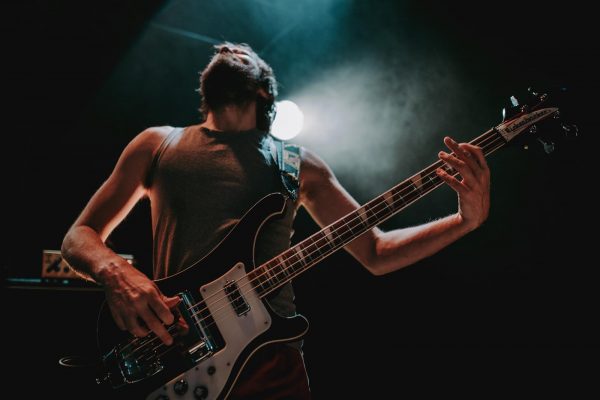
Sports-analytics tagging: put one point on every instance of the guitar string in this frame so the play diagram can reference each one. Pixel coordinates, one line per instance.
(492, 134)
(430, 175)
(215, 319)
(146, 342)
(311, 245)
(494, 141)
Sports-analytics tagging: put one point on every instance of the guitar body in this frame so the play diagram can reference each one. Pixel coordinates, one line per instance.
(227, 322)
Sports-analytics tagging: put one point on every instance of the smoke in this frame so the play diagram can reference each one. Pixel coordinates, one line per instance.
(375, 122)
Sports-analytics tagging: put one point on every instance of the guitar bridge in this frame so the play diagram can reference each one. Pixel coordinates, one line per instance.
(204, 339)
(140, 358)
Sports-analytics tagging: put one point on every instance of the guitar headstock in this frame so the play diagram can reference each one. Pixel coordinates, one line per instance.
(522, 118)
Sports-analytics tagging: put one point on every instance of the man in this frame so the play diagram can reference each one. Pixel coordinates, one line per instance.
(202, 178)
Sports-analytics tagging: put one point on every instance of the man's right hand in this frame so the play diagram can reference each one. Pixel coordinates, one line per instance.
(136, 303)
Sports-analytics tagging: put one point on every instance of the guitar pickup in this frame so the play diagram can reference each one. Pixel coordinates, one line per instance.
(238, 302)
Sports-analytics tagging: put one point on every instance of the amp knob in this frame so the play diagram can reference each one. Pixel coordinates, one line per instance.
(180, 387)
(201, 392)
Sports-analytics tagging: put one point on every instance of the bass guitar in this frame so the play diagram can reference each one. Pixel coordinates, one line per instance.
(225, 317)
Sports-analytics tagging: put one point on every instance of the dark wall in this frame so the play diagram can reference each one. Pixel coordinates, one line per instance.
(525, 280)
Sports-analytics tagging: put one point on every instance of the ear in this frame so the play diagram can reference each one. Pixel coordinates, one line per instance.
(263, 93)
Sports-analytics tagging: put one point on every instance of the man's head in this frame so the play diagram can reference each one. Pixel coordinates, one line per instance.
(236, 75)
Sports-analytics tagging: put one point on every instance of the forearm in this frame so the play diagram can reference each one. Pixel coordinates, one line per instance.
(402, 247)
(85, 251)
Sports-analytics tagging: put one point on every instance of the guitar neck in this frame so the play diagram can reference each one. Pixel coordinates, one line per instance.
(299, 258)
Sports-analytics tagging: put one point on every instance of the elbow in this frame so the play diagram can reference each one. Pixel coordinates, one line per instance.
(382, 258)
(376, 266)
(66, 245)
(69, 242)
(375, 270)
(374, 262)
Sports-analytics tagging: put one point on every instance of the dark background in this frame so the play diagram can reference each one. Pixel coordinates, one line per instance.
(82, 79)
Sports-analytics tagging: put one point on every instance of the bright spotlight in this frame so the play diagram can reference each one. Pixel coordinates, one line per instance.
(288, 121)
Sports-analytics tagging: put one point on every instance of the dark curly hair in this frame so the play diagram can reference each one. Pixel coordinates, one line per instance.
(217, 93)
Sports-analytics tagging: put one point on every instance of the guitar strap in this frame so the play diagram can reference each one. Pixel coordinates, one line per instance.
(287, 159)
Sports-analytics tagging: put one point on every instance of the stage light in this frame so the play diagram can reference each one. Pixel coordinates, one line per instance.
(288, 121)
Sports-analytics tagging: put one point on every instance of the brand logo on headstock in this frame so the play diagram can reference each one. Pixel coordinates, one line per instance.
(512, 128)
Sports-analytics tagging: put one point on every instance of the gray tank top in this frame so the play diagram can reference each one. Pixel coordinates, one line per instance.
(201, 184)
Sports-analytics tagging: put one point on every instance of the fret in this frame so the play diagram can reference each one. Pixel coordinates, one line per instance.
(277, 270)
(284, 266)
(389, 200)
(371, 213)
(343, 230)
(432, 181)
(330, 236)
(293, 262)
(362, 213)
(269, 274)
(301, 258)
(410, 192)
(348, 221)
(261, 279)
(319, 241)
(307, 249)
(356, 223)
(378, 208)
(397, 196)
(417, 182)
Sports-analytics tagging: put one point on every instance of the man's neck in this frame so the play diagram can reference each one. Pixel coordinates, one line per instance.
(232, 118)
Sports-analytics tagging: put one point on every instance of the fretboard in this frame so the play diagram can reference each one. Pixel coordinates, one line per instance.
(299, 258)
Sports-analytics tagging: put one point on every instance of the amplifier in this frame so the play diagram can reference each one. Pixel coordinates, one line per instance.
(56, 274)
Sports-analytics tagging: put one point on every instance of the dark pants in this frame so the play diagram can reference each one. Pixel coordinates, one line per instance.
(273, 372)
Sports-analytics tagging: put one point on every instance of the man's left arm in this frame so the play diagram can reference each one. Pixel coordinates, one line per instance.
(382, 252)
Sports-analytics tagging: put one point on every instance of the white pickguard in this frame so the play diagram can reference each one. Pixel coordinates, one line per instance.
(237, 332)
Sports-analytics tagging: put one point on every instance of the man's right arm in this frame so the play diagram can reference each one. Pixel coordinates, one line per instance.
(131, 295)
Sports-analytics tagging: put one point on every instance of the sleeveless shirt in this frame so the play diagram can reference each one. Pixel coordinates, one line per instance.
(200, 185)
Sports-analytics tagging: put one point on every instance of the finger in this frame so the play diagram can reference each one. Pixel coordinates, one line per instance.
(450, 180)
(157, 304)
(459, 165)
(134, 327)
(470, 159)
(118, 319)
(478, 153)
(461, 153)
(156, 326)
(182, 327)
(451, 144)
(172, 302)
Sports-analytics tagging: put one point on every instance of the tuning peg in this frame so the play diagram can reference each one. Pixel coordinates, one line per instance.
(571, 131)
(511, 110)
(536, 96)
(548, 145)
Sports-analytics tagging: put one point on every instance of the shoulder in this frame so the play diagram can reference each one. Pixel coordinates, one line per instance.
(150, 139)
(140, 151)
(312, 164)
(145, 144)
(314, 172)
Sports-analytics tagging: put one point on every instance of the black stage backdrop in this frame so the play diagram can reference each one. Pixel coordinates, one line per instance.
(520, 291)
